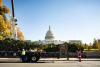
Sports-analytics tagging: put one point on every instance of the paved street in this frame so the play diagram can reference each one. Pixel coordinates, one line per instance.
(47, 59)
(50, 62)
(55, 64)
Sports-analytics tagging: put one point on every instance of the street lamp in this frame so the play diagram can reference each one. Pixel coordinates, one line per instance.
(66, 51)
(14, 20)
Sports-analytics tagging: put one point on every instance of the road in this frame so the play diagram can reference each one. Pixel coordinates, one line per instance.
(54, 64)
(51, 63)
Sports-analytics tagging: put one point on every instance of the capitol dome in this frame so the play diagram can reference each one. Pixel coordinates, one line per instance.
(49, 35)
(49, 39)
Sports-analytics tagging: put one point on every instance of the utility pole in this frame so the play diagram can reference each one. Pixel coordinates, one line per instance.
(14, 20)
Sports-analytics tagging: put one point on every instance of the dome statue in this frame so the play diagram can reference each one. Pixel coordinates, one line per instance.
(49, 35)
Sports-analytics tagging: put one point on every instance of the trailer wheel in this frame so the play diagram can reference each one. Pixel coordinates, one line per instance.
(34, 59)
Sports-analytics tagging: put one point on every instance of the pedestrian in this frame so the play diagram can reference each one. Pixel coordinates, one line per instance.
(23, 55)
(79, 55)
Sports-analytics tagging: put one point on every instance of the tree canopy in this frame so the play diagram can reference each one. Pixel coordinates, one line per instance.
(6, 24)
(4, 31)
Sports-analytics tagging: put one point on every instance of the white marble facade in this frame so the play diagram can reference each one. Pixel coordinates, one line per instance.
(49, 39)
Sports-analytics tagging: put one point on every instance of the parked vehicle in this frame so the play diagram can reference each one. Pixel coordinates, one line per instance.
(29, 56)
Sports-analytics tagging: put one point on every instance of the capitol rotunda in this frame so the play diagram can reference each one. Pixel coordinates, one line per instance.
(49, 39)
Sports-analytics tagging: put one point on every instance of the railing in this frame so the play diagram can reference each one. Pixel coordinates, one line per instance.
(9, 54)
(52, 54)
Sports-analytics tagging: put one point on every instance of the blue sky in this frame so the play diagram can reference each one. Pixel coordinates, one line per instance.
(69, 19)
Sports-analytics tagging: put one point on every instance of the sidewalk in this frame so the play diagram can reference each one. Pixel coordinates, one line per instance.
(70, 59)
(48, 59)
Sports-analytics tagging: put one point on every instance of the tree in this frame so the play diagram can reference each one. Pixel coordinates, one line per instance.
(85, 46)
(72, 47)
(51, 48)
(95, 44)
(4, 10)
(20, 35)
(5, 24)
(4, 31)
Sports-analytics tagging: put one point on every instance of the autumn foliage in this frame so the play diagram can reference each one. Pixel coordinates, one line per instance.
(6, 25)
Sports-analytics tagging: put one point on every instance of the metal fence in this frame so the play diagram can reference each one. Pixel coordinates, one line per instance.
(89, 54)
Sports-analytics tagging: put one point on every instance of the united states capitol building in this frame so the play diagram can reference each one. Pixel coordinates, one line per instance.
(49, 39)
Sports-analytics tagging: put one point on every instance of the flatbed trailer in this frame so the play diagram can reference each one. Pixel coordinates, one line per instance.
(29, 56)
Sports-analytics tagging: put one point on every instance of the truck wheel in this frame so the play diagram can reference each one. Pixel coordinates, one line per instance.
(34, 59)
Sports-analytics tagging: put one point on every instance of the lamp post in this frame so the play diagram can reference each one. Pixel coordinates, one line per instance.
(14, 20)
(13, 13)
(66, 51)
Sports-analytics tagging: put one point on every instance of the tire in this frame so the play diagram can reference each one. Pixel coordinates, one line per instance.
(34, 59)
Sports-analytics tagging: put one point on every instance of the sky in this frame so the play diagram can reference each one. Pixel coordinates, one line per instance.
(69, 19)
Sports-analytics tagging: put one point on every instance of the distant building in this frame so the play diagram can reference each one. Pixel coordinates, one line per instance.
(49, 39)
(75, 42)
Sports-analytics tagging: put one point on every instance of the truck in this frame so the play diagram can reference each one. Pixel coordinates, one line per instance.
(29, 56)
